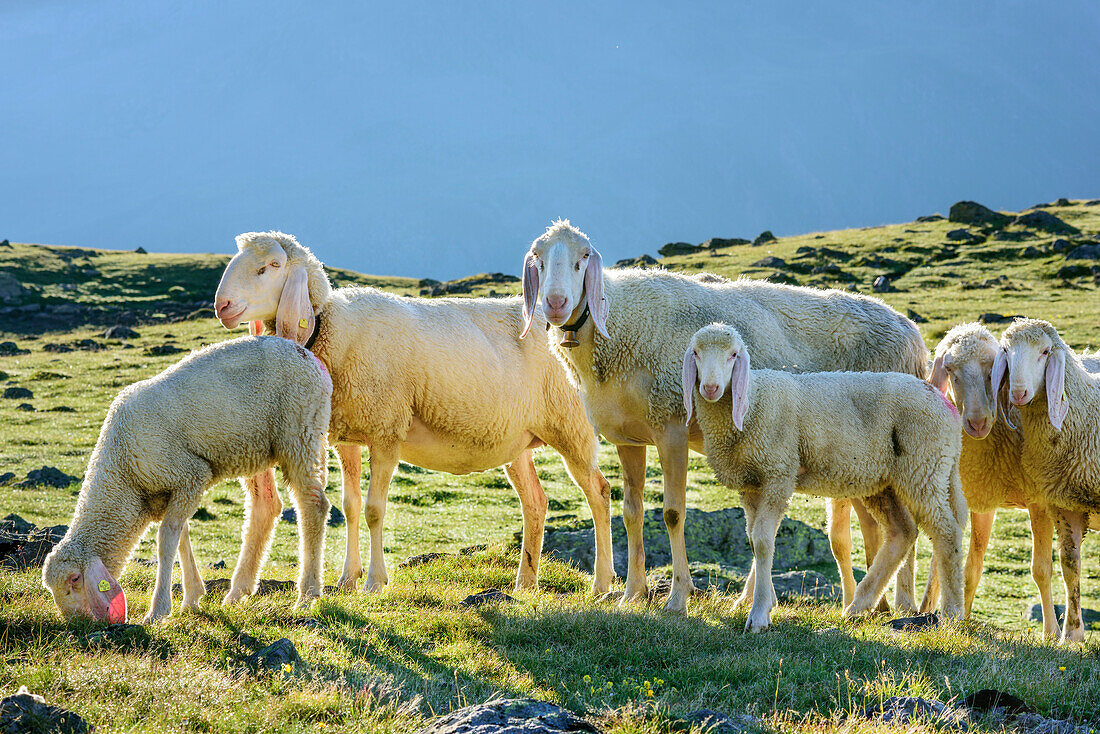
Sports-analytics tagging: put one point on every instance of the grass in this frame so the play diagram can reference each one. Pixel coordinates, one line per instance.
(389, 662)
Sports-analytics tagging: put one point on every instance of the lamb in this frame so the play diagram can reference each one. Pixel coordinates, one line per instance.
(1059, 404)
(228, 410)
(445, 384)
(888, 439)
(621, 335)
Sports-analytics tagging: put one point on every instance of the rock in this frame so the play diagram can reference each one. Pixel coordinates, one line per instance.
(1034, 612)
(915, 317)
(274, 656)
(770, 262)
(120, 332)
(204, 515)
(1004, 235)
(912, 624)
(472, 549)
(25, 407)
(219, 565)
(1031, 251)
(971, 212)
(783, 278)
(1063, 201)
(994, 318)
(1077, 271)
(930, 218)
(6, 478)
(119, 636)
(23, 545)
(510, 716)
(642, 261)
(56, 348)
(335, 517)
(716, 537)
(715, 243)
(1061, 245)
(158, 350)
(467, 284)
(11, 290)
(805, 584)
(1036, 724)
(763, 238)
(964, 235)
(905, 710)
(488, 596)
(26, 712)
(11, 349)
(1046, 222)
(714, 722)
(48, 476)
(140, 251)
(882, 285)
(678, 248)
(423, 558)
(289, 515)
(1084, 252)
(988, 699)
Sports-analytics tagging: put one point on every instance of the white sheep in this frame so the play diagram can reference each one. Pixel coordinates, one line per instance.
(228, 410)
(886, 438)
(445, 384)
(621, 334)
(1058, 400)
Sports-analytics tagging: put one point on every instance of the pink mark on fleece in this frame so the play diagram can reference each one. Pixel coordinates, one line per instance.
(949, 404)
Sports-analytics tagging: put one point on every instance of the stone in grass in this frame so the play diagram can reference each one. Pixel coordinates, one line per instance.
(120, 636)
(1085, 252)
(971, 212)
(25, 407)
(882, 285)
(714, 722)
(1090, 617)
(488, 596)
(335, 516)
(905, 710)
(510, 716)
(805, 584)
(989, 699)
(421, 559)
(994, 318)
(26, 712)
(120, 332)
(11, 349)
(912, 624)
(16, 393)
(48, 476)
(159, 350)
(274, 656)
(1046, 222)
(915, 317)
(763, 238)
(770, 262)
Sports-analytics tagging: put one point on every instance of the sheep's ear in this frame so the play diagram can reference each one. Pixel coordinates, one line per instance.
(687, 378)
(294, 319)
(530, 290)
(598, 306)
(939, 375)
(106, 600)
(996, 377)
(255, 328)
(739, 388)
(1057, 405)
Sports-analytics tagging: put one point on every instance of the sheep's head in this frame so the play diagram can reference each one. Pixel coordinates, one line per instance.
(1035, 357)
(83, 588)
(717, 359)
(963, 366)
(272, 277)
(569, 272)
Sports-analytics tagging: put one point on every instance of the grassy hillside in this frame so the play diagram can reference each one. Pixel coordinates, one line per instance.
(390, 662)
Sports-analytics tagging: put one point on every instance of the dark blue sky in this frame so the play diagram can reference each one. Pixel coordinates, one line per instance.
(437, 139)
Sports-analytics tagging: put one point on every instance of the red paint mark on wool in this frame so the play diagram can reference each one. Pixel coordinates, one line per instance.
(948, 403)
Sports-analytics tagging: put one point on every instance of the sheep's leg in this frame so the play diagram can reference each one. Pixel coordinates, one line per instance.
(872, 541)
(598, 493)
(383, 462)
(981, 527)
(532, 499)
(944, 524)
(312, 509)
(351, 471)
(840, 540)
(750, 502)
(771, 508)
(1071, 528)
(168, 541)
(1042, 566)
(672, 449)
(931, 590)
(262, 506)
(193, 587)
(901, 532)
(632, 460)
(905, 583)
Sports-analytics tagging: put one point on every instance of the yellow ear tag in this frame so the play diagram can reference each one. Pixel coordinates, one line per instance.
(302, 323)
(104, 586)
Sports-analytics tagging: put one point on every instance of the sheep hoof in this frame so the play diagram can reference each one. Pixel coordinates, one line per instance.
(154, 616)
(676, 603)
(757, 623)
(374, 585)
(190, 605)
(233, 597)
(348, 579)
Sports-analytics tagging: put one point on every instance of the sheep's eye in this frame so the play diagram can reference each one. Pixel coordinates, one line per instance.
(261, 270)
(1046, 352)
(274, 263)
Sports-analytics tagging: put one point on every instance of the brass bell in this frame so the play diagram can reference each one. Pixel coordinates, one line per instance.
(569, 339)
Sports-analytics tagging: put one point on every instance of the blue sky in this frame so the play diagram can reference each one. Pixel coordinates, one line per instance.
(438, 139)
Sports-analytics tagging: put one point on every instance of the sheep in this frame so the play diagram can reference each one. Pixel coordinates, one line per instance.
(886, 438)
(621, 335)
(228, 410)
(1058, 401)
(445, 384)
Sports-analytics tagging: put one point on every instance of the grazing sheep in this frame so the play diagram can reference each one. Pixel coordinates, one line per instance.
(445, 384)
(1059, 405)
(888, 439)
(228, 410)
(621, 334)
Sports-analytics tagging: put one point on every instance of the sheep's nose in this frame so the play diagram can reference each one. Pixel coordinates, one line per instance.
(222, 304)
(555, 302)
(710, 391)
(1020, 397)
(978, 427)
